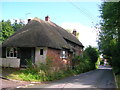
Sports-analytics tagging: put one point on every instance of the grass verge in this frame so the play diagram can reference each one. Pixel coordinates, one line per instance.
(25, 75)
(118, 80)
(31, 75)
(11, 73)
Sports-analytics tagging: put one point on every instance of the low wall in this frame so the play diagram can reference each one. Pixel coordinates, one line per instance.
(10, 62)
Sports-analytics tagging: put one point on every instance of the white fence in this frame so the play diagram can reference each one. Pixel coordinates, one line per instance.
(10, 62)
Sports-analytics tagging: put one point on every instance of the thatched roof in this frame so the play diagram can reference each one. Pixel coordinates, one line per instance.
(39, 33)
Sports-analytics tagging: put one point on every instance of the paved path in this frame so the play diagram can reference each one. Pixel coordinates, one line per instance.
(100, 78)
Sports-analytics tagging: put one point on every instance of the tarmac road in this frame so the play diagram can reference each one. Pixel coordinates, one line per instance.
(100, 78)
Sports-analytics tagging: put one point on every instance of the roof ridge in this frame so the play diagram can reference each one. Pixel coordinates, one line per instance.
(54, 24)
(37, 19)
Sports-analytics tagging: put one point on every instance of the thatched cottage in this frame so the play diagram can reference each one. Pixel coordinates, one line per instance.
(39, 41)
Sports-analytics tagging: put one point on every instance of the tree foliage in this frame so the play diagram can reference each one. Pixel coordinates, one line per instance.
(92, 53)
(87, 59)
(16, 26)
(7, 29)
(109, 38)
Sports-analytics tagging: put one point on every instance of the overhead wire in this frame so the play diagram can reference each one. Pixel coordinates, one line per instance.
(84, 12)
(87, 14)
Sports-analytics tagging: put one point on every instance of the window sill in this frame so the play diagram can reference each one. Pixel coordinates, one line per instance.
(11, 57)
(63, 57)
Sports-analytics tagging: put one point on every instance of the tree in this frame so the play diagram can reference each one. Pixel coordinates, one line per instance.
(109, 38)
(6, 31)
(92, 53)
(17, 26)
(87, 60)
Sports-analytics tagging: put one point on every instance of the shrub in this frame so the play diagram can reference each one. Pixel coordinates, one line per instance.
(87, 61)
(83, 64)
(97, 63)
(43, 72)
(93, 54)
(102, 62)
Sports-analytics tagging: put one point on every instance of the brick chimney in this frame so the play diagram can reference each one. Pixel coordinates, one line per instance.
(74, 32)
(47, 18)
(29, 20)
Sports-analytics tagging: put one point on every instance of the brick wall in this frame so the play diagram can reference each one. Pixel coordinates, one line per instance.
(78, 50)
(57, 62)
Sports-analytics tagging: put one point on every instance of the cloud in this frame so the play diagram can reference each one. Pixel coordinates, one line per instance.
(87, 35)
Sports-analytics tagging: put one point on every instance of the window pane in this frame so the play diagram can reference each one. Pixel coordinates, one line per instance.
(11, 52)
(7, 54)
(8, 49)
(14, 50)
(41, 51)
(63, 52)
(11, 55)
(15, 54)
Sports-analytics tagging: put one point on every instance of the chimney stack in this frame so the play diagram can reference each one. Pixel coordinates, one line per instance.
(74, 32)
(29, 20)
(47, 18)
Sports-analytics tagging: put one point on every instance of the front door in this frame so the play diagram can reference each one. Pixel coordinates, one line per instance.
(27, 55)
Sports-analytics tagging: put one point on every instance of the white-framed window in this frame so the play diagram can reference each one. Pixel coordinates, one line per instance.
(64, 54)
(11, 52)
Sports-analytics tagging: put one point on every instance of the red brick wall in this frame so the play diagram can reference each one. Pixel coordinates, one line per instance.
(57, 62)
(78, 50)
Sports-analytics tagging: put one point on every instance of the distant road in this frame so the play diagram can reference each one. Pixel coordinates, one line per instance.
(100, 78)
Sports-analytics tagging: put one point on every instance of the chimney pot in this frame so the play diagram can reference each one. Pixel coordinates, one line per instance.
(74, 32)
(47, 18)
(29, 20)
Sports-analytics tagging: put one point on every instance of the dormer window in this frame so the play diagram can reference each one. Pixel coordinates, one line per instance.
(11, 52)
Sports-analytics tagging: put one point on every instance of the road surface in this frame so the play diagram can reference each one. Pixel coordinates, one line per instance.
(11, 84)
(100, 78)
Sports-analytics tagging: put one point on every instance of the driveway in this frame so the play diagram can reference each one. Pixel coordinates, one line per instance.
(100, 78)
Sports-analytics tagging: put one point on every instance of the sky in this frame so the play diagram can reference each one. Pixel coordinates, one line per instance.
(81, 16)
